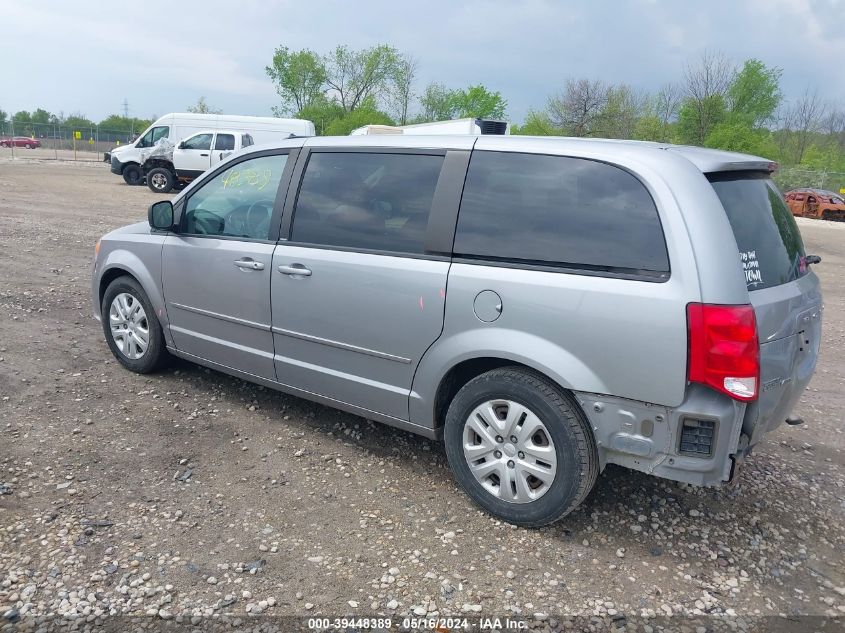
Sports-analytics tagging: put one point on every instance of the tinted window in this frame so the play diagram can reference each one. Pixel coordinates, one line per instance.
(225, 142)
(237, 202)
(770, 246)
(366, 200)
(199, 141)
(559, 211)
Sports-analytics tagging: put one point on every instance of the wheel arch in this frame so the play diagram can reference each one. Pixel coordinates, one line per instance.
(122, 263)
(454, 361)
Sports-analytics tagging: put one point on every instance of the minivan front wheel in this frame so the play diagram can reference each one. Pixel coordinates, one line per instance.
(132, 329)
(520, 447)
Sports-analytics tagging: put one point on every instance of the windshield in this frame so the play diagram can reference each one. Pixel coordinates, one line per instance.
(770, 247)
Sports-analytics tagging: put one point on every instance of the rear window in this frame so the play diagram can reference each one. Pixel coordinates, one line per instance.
(559, 211)
(770, 248)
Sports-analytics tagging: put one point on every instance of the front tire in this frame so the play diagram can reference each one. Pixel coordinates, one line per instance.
(520, 446)
(160, 180)
(132, 329)
(132, 175)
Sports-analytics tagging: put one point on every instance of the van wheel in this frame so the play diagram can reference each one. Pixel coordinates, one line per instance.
(132, 329)
(520, 446)
(132, 175)
(160, 180)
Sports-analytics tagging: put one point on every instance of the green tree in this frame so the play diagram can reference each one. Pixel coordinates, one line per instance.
(299, 77)
(356, 75)
(437, 103)
(128, 125)
(536, 124)
(649, 128)
(698, 116)
(41, 117)
(322, 112)
(478, 102)
(359, 117)
(78, 121)
(401, 89)
(4, 116)
(737, 136)
(201, 107)
(754, 93)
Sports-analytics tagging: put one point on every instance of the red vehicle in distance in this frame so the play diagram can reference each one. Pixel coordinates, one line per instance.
(19, 141)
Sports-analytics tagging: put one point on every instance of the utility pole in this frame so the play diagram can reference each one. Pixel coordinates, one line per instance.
(125, 108)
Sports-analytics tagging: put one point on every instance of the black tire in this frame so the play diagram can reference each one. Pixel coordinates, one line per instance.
(574, 444)
(827, 215)
(156, 355)
(161, 180)
(132, 175)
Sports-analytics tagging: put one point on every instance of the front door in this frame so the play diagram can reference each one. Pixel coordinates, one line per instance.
(356, 301)
(193, 155)
(224, 144)
(216, 270)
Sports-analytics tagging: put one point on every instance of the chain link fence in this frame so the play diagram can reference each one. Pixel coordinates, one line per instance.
(802, 178)
(59, 142)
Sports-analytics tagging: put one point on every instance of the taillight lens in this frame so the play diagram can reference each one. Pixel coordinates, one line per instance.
(724, 352)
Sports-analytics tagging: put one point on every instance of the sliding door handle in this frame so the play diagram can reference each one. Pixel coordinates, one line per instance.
(295, 270)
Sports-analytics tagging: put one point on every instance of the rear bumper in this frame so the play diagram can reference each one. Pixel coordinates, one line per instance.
(656, 440)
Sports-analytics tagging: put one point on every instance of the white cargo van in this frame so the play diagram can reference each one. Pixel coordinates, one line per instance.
(455, 126)
(126, 160)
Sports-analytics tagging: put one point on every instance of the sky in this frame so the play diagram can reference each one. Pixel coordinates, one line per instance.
(87, 57)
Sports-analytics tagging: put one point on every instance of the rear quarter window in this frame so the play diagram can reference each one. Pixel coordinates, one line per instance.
(559, 211)
(770, 247)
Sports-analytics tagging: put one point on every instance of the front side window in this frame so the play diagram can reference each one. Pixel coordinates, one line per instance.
(374, 201)
(153, 136)
(237, 202)
(246, 140)
(559, 211)
(225, 142)
(198, 141)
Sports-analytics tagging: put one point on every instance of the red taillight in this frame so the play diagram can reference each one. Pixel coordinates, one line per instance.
(724, 352)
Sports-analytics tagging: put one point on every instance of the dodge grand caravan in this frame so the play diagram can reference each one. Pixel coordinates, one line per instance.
(546, 306)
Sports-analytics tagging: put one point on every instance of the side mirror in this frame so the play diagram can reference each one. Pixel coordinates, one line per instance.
(182, 145)
(160, 215)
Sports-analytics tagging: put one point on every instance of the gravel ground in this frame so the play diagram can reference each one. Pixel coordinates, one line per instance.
(189, 495)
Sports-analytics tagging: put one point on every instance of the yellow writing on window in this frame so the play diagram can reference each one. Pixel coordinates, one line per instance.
(255, 178)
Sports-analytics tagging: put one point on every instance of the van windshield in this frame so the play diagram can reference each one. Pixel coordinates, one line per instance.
(770, 247)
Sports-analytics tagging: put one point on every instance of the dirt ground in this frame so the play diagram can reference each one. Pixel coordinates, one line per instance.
(190, 494)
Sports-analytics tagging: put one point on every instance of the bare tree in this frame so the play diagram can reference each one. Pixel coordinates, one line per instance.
(705, 87)
(578, 109)
(802, 120)
(401, 91)
(356, 76)
(667, 102)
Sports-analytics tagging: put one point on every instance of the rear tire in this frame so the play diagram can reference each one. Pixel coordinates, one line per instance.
(552, 439)
(132, 330)
(132, 175)
(161, 180)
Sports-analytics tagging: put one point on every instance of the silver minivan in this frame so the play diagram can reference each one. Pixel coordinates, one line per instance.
(546, 306)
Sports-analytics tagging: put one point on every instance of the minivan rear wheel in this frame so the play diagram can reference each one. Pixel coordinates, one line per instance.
(520, 446)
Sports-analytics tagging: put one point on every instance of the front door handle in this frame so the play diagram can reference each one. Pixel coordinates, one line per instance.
(295, 269)
(203, 154)
(249, 264)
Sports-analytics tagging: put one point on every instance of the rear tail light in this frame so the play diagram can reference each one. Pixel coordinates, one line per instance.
(724, 352)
